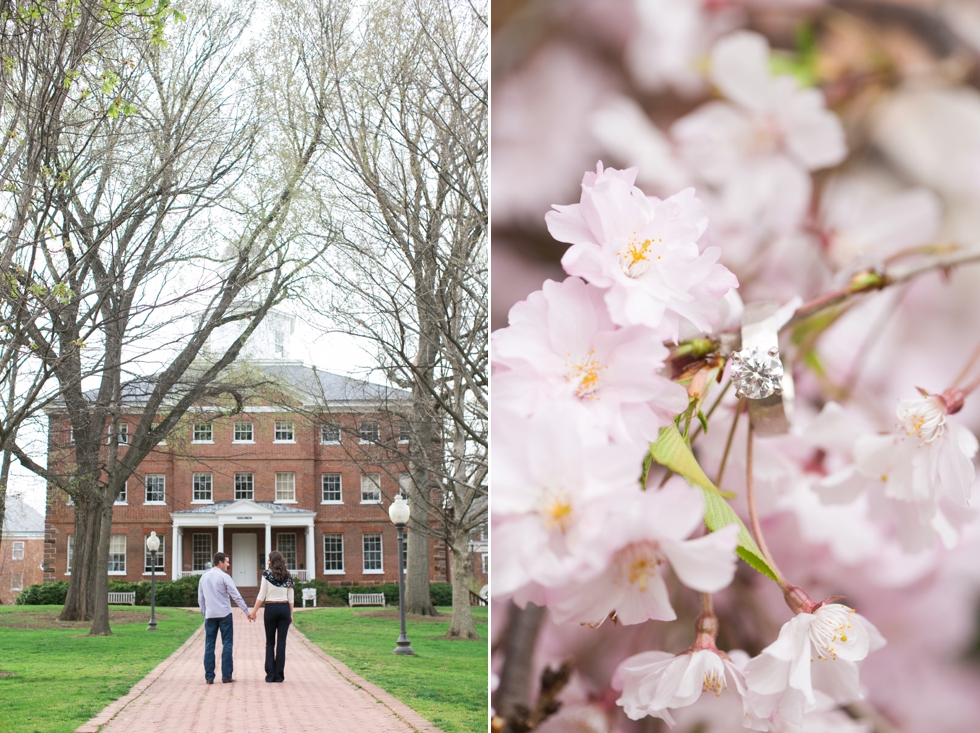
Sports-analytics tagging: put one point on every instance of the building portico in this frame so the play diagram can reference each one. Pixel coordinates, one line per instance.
(244, 530)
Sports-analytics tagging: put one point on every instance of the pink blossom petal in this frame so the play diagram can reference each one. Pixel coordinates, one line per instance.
(706, 564)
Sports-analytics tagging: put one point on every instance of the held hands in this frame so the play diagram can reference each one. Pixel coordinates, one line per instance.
(251, 616)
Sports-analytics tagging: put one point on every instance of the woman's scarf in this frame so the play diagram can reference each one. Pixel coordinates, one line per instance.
(286, 582)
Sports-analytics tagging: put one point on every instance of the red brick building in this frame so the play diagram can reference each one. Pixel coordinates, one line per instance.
(268, 478)
(22, 549)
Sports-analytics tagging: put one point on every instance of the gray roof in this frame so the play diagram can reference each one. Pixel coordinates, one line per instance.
(322, 386)
(21, 519)
(312, 385)
(212, 508)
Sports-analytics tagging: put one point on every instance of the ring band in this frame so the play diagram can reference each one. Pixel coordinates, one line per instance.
(757, 371)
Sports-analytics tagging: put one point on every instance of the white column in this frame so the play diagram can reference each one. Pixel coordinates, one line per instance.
(268, 541)
(310, 553)
(221, 536)
(175, 552)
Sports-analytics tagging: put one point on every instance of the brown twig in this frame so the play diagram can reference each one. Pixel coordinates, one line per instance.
(754, 515)
(728, 443)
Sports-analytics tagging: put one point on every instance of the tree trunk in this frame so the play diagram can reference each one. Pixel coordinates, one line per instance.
(418, 599)
(80, 602)
(4, 473)
(461, 626)
(100, 616)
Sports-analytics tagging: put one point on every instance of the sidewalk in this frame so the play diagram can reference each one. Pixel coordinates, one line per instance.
(319, 694)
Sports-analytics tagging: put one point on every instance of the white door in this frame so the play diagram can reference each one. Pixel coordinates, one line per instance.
(244, 559)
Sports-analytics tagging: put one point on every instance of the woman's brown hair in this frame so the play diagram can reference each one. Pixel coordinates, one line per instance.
(277, 565)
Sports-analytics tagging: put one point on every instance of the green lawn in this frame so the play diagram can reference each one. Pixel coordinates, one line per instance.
(53, 677)
(445, 682)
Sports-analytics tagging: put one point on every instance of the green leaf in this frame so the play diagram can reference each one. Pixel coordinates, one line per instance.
(672, 451)
(717, 514)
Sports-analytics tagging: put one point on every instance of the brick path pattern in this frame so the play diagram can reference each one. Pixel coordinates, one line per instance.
(319, 694)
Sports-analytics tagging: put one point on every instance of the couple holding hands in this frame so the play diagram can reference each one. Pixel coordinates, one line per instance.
(214, 595)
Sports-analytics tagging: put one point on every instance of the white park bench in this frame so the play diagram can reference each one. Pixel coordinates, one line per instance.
(117, 598)
(309, 594)
(366, 599)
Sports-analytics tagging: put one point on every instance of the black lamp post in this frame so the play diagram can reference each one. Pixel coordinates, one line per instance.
(399, 513)
(153, 544)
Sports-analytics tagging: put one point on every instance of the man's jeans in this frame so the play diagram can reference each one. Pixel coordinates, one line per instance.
(211, 627)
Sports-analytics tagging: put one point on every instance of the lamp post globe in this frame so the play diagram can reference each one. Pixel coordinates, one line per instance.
(399, 513)
(153, 545)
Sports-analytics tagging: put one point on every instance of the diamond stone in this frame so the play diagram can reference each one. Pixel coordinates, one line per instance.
(756, 374)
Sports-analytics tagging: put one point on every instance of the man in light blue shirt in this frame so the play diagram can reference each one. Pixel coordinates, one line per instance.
(214, 596)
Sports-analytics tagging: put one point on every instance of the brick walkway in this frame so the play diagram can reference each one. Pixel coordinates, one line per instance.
(319, 694)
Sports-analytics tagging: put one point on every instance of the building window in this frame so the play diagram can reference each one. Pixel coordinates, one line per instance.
(202, 487)
(117, 554)
(148, 560)
(404, 483)
(16, 581)
(331, 488)
(330, 433)
(286, 544)
(156, 487)
(333, 553)
(485, 563)
(370, 433)
(403, 433)
(71, 436)
(17, 551)
(372, 553)
(279, 344)
(370, 488)
(203, 432)
(201, 554)
(244, 486)
(71, 542)
(123, 434)
(243, 432)
(123, 493)
(285, 487)
(284, 431)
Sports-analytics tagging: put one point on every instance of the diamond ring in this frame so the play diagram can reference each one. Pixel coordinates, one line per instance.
(758, 374)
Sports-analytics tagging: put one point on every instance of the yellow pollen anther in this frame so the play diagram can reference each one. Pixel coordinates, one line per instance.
(559, 513)
(843, 637)
(587, 375)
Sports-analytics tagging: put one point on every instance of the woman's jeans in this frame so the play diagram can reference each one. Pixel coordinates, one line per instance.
(277, 619)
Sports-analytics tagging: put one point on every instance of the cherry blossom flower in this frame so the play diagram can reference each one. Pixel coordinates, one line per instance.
(909, 472)
(861, 222)
(562, 346)
(550, 494)
(672, 40)
(643, 532)
(766, 116)
(653, 682)
(814, 652)
(643, 252)
(758, 147)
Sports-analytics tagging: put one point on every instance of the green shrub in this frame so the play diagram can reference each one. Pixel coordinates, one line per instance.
(181, 592)
(333, 595)
(442, 594)
(44, 594)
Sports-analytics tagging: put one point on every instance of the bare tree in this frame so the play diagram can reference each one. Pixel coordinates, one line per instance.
(50, 56)
(158, 219)
(408, 272)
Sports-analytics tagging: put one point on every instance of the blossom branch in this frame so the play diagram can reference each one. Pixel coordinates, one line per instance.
(728, 443)
(871, 280)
